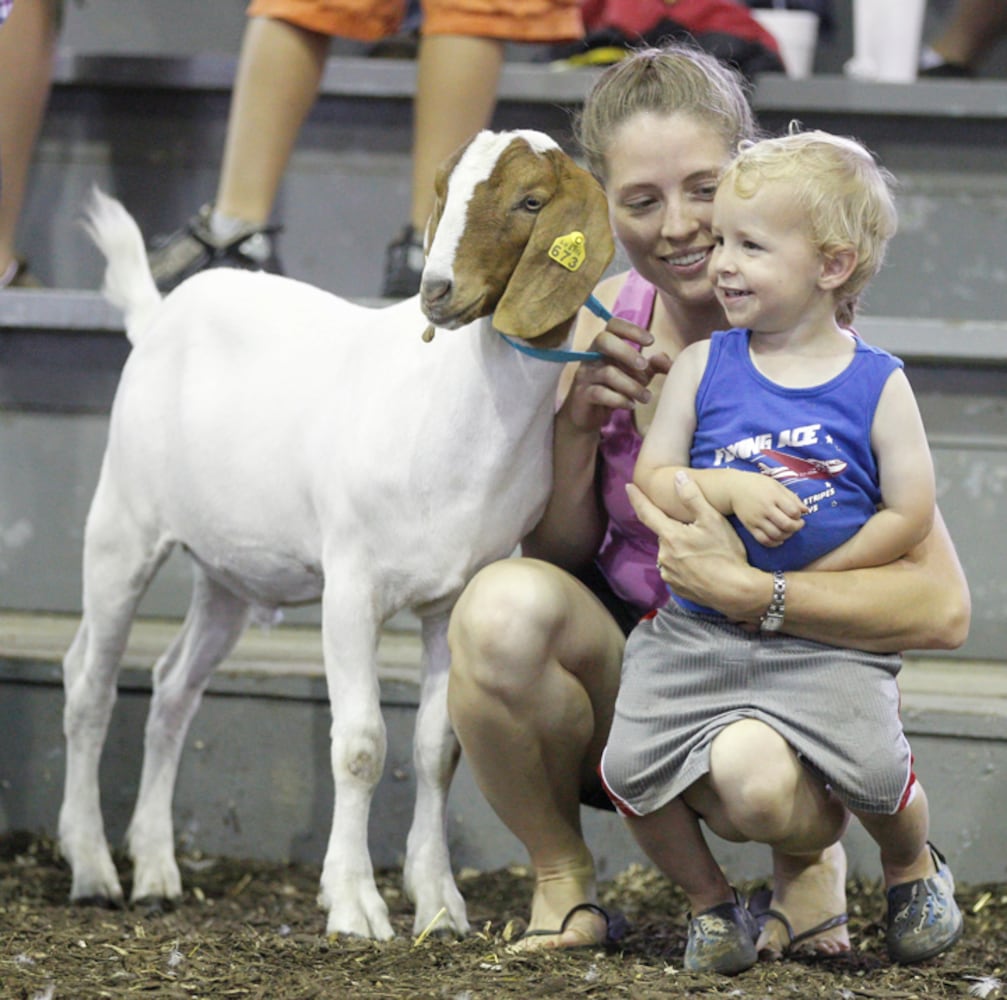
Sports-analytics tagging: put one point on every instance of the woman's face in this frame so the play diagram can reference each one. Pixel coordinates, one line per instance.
(662, 176)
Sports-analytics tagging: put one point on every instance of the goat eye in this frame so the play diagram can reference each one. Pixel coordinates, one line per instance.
(532, 203)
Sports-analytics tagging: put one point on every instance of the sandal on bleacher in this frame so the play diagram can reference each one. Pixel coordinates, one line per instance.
(923, 917)
(403, 265)
(17, 275)
(195, 248)
(722, 939)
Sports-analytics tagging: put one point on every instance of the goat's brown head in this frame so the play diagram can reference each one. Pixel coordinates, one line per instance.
(518, 230)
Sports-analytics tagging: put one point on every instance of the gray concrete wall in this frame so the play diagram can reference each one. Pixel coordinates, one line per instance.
(255, 778)
(346, 191)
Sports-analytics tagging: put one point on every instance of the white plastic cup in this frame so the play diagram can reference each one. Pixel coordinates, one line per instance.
(796, 33)
(887, 35)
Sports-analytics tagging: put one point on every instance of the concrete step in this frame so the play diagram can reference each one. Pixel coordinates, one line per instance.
(254, 780)
(150, 129)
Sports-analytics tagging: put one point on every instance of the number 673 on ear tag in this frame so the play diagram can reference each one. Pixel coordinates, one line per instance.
(569, 251)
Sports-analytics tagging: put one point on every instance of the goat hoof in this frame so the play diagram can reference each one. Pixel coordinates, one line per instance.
(153, 906)
(444, 933)
(100, 902)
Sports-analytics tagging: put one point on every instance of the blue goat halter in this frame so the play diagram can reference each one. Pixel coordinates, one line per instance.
(556, 354)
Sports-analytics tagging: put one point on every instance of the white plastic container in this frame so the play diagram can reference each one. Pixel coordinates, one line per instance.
(887, 35)
(796, 33)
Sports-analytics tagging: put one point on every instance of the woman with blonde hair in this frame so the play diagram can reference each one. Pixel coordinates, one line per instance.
(537, 642)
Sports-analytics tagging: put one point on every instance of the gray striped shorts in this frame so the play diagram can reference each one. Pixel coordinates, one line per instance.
(686, 676)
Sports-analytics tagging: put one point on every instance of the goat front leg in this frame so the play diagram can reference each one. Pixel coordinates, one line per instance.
(429, 881)
(348, 891)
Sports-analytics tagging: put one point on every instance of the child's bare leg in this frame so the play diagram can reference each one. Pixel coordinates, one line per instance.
(923, 917)
(902, 837)
(757, 790)
(721, 930)
(672, 839)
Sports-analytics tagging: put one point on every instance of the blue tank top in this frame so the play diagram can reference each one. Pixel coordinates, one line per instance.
(816, 441)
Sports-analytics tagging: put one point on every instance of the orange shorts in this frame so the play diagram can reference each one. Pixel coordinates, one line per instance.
(367, 20)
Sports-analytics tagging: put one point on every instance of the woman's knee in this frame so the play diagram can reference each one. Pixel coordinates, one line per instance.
(504, 623)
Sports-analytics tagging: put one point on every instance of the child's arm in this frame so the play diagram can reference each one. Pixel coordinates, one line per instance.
(767, 508)
(668, 440)
(906, 476)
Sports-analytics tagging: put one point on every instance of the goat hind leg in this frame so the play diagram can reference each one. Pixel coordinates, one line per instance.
(214, 623)
(119, 561)
(428, 879)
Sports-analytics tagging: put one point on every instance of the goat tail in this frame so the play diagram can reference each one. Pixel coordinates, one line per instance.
(128, 284)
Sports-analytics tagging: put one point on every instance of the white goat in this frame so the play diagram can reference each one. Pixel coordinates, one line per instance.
(302, 447)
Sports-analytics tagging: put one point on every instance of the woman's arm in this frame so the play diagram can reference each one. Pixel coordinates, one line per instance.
(918, 602)
(573, 525)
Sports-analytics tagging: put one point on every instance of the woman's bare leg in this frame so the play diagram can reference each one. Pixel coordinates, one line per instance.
(535, 668)
(973, 28)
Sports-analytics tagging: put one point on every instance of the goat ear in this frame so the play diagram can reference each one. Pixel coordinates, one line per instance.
(543, 291)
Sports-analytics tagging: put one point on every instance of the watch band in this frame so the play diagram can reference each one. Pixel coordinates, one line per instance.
(772, 620)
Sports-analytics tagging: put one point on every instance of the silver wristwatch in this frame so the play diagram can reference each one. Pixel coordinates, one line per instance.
(772, 620)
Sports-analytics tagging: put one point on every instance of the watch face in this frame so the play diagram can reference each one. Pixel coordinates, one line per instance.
(771, 623)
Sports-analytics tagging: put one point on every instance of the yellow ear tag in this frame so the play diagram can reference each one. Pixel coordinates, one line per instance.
(569, 251)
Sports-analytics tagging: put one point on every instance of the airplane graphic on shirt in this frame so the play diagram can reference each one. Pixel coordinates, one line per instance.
(792, 469)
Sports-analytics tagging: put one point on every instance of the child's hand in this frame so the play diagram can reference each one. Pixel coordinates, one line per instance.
(770, 511)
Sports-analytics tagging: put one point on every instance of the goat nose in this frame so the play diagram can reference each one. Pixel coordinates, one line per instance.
(435, 289)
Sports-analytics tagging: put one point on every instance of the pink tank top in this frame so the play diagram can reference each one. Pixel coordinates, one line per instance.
(628, 555)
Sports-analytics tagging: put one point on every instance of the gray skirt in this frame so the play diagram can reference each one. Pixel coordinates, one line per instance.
(687, 676)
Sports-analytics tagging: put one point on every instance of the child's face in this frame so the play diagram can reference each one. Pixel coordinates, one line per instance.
(764, 266)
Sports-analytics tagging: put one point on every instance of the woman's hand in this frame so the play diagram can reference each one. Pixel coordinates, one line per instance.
(918, 602)
(704, 560)
(619, 380)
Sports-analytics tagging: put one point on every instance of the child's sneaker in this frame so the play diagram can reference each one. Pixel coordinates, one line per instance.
(195, 248)
(923, 917)
(722, 939)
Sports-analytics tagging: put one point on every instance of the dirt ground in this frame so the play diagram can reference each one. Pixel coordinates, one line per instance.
(252, 930)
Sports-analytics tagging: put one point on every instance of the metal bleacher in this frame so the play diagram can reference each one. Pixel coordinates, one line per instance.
(141, 109)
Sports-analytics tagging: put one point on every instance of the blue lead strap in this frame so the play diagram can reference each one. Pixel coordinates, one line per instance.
(553, 354)
(597, 308)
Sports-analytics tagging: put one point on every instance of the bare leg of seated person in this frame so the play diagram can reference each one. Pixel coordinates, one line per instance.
(757, 790)
(535, 667)
(27, 43)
